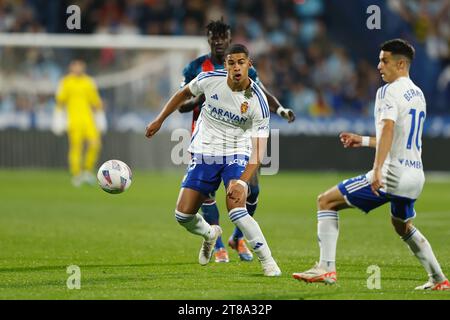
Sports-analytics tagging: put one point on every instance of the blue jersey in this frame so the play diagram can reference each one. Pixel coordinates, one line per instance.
(202, 64)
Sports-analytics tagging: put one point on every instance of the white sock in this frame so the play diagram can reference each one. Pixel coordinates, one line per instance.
(194, 223)
(327, 233)
(421, 248)
(252, 232)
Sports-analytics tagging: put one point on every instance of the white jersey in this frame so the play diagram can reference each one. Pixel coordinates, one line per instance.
(228, 118)
(403, 102)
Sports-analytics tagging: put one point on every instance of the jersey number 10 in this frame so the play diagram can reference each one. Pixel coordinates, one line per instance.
(413, 132)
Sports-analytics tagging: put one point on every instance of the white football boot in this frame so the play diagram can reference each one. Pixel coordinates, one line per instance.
(207, 248)
(432, 285)
(317, 274)
(270, 268)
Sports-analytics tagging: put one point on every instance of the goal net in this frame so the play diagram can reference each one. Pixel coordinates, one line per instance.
(135, 75)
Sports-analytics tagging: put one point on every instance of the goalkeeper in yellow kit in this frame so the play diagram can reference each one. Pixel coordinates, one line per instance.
(78, 94)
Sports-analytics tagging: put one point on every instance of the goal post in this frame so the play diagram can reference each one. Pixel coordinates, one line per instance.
(135, 74)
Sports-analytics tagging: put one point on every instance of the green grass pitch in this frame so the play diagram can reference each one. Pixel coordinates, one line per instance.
(130, 246)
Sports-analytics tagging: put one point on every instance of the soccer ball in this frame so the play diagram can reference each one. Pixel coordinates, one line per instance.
(114, 176)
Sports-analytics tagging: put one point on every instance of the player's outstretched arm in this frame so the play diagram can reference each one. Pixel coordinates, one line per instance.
(190, 104)
(178, 98)
(276, 107)
(237, 189)
(352, 140)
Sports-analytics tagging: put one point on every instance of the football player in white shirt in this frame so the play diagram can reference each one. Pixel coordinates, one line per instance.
(221, 150)
(397, 176)
(219, 38)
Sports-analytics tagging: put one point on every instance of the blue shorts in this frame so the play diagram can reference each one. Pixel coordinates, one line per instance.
(205, 173)
(357, 193)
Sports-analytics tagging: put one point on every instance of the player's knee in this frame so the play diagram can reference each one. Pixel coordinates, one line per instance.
(325, 202)
(401, 228)
(322, 202)
(184, 208)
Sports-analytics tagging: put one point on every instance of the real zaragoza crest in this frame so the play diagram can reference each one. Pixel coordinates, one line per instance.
(244, 107)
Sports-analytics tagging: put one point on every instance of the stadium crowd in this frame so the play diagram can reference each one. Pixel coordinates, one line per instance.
(292, 43)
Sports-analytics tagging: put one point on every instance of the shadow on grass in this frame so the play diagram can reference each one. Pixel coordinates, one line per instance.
(83, 266)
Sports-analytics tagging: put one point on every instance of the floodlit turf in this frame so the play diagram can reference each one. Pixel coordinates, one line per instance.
(130, 246)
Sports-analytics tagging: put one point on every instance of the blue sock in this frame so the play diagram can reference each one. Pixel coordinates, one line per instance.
(252, 199)
(211, 215)
(252, 203)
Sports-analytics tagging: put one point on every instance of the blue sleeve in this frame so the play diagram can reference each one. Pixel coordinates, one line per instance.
(253, 74)
(188, 73)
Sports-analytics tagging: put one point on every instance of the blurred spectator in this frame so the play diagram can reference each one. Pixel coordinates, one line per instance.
(292, 43)
(215, 11)
(320, 108)
(302, 99)
(430, 22)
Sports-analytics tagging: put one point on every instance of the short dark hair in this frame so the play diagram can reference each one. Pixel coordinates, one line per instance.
(236, 48)
(400, 47)
(217, 27)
